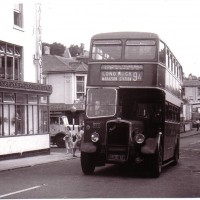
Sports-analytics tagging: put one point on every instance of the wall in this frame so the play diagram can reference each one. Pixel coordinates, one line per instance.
(23, 37)
(10, 145)
(62, 88)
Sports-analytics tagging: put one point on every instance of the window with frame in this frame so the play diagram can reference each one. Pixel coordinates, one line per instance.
(198, 91)
(22, 114)
(10, 62)
(80, 87)
(167, 58)
(106, 50)
(162, 54)
(18, 15)
(140, 50)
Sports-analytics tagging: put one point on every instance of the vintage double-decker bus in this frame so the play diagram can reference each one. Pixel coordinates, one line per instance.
(133, 102)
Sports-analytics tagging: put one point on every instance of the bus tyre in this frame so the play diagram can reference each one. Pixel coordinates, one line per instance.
(156, 163)
(87, 163)
(59, 141)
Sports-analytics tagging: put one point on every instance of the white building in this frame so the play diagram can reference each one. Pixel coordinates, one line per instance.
(191, 92)
(24, 101)
(68, 78)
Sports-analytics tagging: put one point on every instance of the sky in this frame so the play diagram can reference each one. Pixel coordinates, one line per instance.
(177, 22)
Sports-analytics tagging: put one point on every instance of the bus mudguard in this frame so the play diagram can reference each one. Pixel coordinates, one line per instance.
(151, 144)
(88, 147)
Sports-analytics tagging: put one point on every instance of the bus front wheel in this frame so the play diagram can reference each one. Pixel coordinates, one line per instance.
(87, 163)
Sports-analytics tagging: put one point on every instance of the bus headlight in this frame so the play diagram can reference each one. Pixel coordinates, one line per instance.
(95, 137)
(139, 138)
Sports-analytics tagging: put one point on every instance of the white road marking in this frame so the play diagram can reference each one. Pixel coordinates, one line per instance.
(20, 191)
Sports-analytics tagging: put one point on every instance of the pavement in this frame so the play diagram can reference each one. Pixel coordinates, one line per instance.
(12, 164)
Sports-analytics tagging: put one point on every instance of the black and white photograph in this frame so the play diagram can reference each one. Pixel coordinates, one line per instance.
(99, 99)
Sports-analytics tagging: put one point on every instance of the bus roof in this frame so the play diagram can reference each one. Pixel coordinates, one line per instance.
(125, 35)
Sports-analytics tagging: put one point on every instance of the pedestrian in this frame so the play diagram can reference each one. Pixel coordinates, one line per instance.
(79, 137)
(76, 140)
(198, 123)
(68, 140)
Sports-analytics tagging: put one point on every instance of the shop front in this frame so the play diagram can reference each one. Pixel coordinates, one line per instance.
(24, 118)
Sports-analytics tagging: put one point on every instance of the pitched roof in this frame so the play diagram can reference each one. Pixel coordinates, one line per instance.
(191, 83)
(53, 63)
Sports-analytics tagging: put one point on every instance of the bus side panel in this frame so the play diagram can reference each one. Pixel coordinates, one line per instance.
(170, 139)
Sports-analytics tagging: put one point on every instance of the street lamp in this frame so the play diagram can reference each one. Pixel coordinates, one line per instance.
(73, 110)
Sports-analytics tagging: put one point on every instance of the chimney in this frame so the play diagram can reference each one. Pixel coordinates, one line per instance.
(46, 50)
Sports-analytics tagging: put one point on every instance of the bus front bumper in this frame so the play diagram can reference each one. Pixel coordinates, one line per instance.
(88, 147)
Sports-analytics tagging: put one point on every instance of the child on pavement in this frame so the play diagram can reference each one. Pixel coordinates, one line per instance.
(68, 141)
(198, 124)
(77, 140)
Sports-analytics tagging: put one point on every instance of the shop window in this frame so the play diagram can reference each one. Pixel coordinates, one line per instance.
(21, 98)
(43, 119)
(12, 121)
(20, 114)
(9, 98)
(6, 119)
(32, 120)
(21, 119)
(43, 100)
(32, 99)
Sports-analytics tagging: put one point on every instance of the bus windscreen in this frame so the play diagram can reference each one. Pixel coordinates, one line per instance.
(101, 102)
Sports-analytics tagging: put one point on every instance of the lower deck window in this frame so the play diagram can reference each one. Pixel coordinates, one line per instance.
(21, 117)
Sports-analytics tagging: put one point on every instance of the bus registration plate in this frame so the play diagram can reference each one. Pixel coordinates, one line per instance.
(112, 157)
(122, 76)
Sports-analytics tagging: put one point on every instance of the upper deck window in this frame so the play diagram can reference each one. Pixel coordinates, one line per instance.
(162, 58)
(106, 50)
(140, 50)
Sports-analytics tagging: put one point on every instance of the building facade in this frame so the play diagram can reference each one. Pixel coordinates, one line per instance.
(191, 95)
(24, 101)
(68, 79)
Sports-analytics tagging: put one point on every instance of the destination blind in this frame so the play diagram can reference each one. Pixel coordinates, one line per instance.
(121, 75)
(125, 72)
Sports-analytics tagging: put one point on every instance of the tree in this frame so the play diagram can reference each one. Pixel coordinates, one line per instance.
(75, 50)
(57, 49)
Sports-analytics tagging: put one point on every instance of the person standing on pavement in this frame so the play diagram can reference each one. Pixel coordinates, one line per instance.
(68, 140)
(76, 140)
(198, 123)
